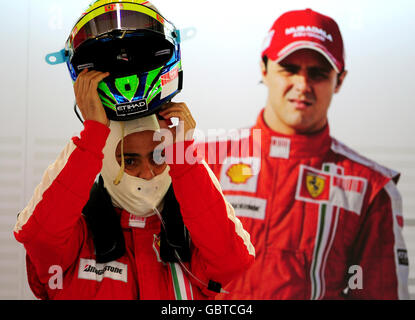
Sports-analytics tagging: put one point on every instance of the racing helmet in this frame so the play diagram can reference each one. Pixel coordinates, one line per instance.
(140, 49)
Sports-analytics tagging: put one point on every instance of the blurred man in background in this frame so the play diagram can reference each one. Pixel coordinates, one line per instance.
(325, 221)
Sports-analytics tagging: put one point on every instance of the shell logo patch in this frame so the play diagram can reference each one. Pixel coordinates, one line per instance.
(315, 184)
(240, 173)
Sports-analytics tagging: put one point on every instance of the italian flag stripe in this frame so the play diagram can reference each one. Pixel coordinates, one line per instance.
(176, 285)
(315, 282)
(333, 229)
(189, 291)
(321, 248)
(181, 284)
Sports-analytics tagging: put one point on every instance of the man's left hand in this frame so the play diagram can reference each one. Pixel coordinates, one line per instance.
(186, 122)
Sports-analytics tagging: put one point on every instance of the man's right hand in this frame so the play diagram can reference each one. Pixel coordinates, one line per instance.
(87, 98)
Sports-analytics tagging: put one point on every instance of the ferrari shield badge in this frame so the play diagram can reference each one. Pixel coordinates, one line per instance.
(315, 184)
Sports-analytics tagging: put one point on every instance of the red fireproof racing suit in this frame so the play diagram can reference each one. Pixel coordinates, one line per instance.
(58, 241)
(321, 217)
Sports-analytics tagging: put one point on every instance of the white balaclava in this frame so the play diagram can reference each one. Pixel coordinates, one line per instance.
(137, 196)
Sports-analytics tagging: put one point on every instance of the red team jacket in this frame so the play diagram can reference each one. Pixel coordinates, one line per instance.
(321, 217)
(56, 237)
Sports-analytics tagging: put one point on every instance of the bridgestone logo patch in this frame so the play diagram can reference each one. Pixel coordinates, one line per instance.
(90, 270)
(248, 207)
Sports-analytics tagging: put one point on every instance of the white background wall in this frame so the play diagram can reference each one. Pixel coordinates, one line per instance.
(374, 113)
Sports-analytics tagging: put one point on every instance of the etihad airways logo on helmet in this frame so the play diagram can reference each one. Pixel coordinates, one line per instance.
(90, 270)
(309, 31)
(129, 108)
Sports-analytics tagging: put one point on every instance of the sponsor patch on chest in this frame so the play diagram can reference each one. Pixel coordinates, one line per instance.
(248, 207)
(403, 257)
(89, 269)
(136, 222)
(280, 148)
(240, 174)
(339, 190)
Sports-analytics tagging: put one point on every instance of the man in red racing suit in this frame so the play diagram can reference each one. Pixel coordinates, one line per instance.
(59, 242)
(326, 222)
(146, 229)
(319, 216)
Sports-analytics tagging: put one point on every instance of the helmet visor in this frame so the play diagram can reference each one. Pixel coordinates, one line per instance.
(122, 38)
(122, 17)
